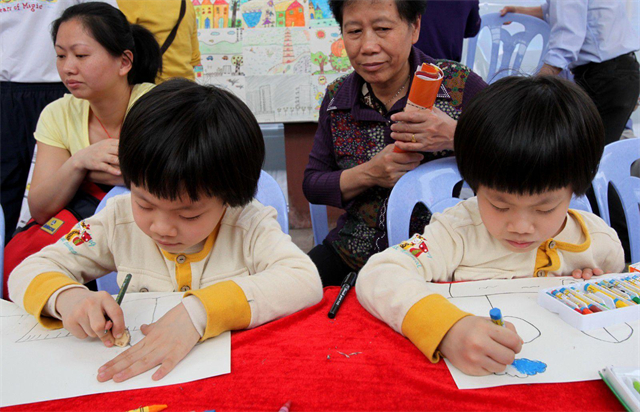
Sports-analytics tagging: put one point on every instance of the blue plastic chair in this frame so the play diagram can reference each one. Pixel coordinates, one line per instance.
(1, 251)
(628, 190)
(319, 222)
(518, 43)
(615, 165)
(108, 282)
(432, 185)
(269, 193)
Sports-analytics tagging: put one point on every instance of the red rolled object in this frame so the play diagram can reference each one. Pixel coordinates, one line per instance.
(424, 90)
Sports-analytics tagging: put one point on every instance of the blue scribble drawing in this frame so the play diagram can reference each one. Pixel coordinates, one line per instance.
(522, 368)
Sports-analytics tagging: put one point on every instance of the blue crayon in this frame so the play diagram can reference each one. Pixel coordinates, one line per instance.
(496, 316)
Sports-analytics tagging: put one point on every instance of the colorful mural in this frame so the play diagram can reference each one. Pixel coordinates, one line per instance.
(276, 55)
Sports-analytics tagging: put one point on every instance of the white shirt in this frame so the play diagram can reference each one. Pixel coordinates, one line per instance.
(27, 54)
(586, 31)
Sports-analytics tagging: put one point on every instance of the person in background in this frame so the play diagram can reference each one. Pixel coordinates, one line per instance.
(595, 40)
(182, 52)
(28, 82)
(106, 64)
(352, 164)
(445, 24)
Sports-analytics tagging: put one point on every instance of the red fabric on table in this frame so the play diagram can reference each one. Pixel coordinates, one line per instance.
(301, 358)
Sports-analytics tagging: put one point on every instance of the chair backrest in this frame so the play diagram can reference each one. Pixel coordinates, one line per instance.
(432, 185)
(615, 165)
(108, 282)
(628, 190)
(319, 222)
(517, 42)
(1, 250)
(269, 194)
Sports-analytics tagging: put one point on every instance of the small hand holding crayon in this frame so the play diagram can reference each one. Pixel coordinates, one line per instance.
(478, 347)
(166, 343)
(83, 314)
(125, 338)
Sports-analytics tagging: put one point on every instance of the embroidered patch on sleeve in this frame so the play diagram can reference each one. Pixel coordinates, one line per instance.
(79, 235)
(416, 246)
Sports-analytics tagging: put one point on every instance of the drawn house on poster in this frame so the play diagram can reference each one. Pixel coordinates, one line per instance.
(220, 14)
(315, 12)
(290, 14)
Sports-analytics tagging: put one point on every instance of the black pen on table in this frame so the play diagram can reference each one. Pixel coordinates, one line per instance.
(347, 284)
(123, 290)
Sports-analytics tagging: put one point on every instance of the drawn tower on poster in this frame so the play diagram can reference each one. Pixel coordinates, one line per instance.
(287, 50)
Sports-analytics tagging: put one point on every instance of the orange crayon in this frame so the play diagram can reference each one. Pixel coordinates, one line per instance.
(150, 408)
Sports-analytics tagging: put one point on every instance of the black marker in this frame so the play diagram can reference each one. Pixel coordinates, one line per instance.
(347, 284)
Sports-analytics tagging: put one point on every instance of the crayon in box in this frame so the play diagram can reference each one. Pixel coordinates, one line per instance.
(594, 320)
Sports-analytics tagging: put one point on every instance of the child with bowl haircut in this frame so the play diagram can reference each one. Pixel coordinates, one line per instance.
(524, 145)
(191, 156)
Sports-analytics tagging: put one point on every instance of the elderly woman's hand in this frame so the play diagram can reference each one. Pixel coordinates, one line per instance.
(423, 130)
(384, 170)
(387, 167)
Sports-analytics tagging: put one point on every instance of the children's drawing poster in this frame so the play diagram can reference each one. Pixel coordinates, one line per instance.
(62, 366)
(553, 351)
(328, 55)
(254, 47)
(281, 51)
(280, 98)
(319, 84)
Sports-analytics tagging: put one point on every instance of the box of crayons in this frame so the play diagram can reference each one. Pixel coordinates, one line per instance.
(599, 302)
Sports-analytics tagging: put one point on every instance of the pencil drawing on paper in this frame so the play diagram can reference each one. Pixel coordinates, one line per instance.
(135, 316)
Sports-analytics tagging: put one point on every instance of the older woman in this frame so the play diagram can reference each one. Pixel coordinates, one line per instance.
(352, 164)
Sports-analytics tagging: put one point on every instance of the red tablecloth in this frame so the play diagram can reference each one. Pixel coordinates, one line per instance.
(302, 358)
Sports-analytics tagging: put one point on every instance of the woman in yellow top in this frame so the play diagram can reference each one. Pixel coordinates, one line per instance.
(106, 64)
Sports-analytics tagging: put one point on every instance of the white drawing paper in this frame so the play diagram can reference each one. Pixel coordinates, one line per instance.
(57, 365)
(567, 354)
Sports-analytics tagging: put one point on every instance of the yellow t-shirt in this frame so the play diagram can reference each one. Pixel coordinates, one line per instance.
(160, 17)
(65, 122)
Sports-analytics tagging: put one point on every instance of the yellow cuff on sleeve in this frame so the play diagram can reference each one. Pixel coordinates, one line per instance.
(426, 323)
(227, 308)
(38, 293)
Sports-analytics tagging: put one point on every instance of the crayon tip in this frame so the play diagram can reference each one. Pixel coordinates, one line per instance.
(157, 408)
(586, 311)
(619, 303)
(594, 308)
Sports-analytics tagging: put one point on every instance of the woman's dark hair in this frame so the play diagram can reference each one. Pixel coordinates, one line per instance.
(111, 29)
(527, 135)
(182, 138)
(409, 10)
